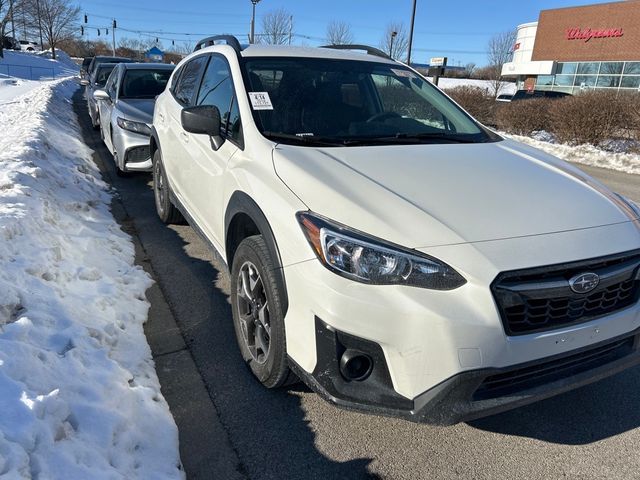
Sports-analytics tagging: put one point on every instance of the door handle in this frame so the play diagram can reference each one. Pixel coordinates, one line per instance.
(160, 118)
(185, 137)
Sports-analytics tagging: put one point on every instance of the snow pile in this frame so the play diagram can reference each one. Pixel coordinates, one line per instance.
(507, 88)
(614, 158)
(36, 67)
(79, 397)
(61, 57)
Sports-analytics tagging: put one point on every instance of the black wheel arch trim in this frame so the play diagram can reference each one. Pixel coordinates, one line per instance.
(153, 140)
(240, 202)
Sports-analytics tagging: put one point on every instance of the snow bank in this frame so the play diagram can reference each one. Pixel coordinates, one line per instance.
(28, 66)
(585, 154)
(506, 88)
(79, 396)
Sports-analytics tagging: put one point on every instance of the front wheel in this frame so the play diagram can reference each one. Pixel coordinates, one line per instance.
(258, 316)
(167, 212)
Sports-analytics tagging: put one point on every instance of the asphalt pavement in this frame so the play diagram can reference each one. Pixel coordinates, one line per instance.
(232, 428)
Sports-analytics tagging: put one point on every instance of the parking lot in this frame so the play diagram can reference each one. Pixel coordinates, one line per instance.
(231, 427)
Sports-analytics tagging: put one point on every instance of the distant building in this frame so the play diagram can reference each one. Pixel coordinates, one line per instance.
(154, 54)
(579, 48)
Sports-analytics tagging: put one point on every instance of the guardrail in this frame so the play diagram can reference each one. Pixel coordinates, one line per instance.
(28, 72)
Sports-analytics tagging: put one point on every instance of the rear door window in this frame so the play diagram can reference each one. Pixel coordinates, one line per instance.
(189, 79)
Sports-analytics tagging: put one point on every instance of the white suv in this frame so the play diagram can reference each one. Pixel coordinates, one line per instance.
(396, 255)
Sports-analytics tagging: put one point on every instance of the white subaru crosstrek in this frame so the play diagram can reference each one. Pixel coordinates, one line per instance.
(385, 247)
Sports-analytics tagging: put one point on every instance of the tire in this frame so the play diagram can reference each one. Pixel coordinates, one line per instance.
(258, 317)
(167, 212)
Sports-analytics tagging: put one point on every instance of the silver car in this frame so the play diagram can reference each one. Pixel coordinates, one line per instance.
(126, 112)
(94, 82)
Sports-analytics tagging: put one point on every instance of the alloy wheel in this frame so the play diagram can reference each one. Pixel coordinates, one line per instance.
(253, 310)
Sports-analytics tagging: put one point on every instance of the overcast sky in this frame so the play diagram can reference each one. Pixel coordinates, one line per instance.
(458, 29)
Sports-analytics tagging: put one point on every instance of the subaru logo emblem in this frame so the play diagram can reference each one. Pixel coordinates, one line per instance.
(584, 283)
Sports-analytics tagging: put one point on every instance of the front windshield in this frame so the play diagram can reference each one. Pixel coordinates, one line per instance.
(344, 102)
(147, 83)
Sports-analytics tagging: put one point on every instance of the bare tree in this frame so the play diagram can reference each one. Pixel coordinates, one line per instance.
(277, 27)
(339, 33)
(499, 52)
(58, 19)
(395, 41)
(7, 8)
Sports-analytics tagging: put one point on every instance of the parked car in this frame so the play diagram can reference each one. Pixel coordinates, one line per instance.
(504, 97)
(125, 107)
(86, 61)
(10, 43)
(27, 46)
(98, 59)
(529, 94)
(384, 246)
(96, 81)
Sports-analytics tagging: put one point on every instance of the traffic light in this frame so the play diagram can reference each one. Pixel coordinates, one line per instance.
(98, 32)
(114, 23)
(81, 30)
(85, 18)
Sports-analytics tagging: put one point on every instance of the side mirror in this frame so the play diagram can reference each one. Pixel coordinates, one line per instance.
(84, 81)
(101, 95)
(203, 119)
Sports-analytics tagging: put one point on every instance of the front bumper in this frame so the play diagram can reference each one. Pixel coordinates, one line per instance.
(467, 395)
(133, 151)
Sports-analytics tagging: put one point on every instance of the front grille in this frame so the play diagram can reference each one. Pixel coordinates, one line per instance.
(521, 379)
(539, 299)
(138, 154)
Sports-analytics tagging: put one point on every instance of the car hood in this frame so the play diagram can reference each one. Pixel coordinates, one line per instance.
(137, 109)
(433, 195)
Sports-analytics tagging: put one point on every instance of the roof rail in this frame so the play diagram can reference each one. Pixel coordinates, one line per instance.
(366, 48)
(230, 39)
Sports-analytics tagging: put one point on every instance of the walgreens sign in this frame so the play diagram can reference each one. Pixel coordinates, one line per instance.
(587, 34)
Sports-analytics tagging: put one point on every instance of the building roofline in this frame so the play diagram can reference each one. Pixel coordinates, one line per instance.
(589, 5)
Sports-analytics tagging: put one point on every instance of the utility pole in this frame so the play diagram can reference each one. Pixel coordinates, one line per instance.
(413, 21)
(253, 22)
(290, 28)
(113, 37)
(393, 36)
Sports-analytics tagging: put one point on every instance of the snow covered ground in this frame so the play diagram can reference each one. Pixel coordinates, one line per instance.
(507, 88)
(613, 158)
(79, 396)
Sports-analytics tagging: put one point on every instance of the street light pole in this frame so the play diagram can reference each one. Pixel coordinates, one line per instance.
(413, 21)
(253, 22)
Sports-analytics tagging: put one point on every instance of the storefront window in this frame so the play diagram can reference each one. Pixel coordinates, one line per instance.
(567, 68)
(611, 68)
(630, 82)
(564, 80)
(544, 80)
(588, 68)
(608, 81)
(632, 68)
(585, 81)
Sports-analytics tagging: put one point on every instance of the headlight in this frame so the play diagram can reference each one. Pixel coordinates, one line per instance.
(137, 127)
(366, 259)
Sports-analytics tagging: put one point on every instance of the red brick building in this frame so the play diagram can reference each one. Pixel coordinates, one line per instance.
(579, 48)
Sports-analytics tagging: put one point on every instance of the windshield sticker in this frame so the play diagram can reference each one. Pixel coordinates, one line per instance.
(260, 101)
(402, 73)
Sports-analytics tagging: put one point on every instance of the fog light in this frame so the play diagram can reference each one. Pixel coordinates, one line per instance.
(355, 365)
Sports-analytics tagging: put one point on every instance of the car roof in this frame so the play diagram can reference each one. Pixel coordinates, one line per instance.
(256, 51)
(147, 66)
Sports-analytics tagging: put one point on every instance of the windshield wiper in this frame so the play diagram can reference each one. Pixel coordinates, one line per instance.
(411, 138)
(304, 139)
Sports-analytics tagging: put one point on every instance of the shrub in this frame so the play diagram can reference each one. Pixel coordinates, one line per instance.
(525, 116)
(594, 117)
(476, 101)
